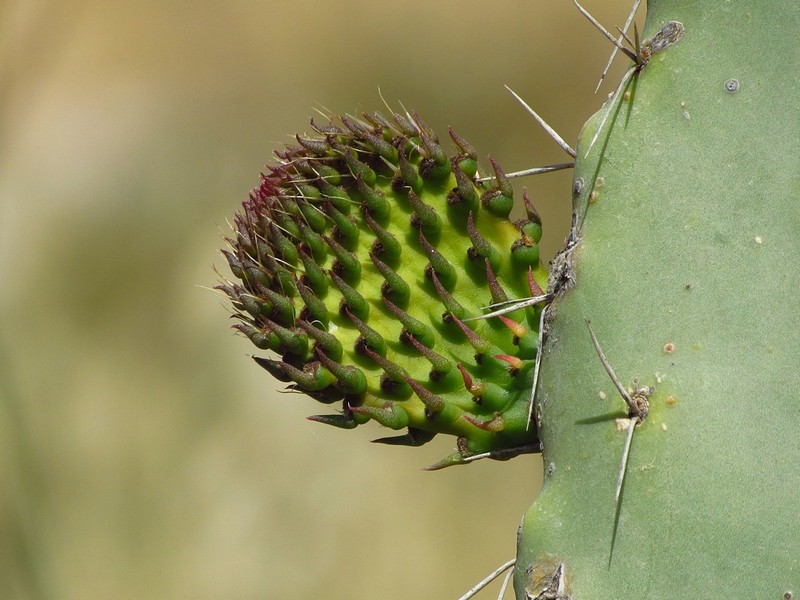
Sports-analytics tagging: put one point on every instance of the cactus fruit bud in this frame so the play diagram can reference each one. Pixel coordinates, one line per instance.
(365, 259)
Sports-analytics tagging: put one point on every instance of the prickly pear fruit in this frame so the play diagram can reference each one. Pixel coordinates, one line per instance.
(363, 259)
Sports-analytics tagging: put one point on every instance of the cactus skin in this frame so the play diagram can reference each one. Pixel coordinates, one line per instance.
(361, 258)
(687, 267)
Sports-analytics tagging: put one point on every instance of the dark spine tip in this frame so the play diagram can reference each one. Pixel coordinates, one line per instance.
(464, 193)
(382, 147)
(315, 309)
(291, 341)
(423, 333)
(441, 365)
(441, 266)
(347, 265)
(314, 146)
(351, 299)
(463, 145)
(350, 379)
(327, 129)
(313, 242)
(346, 231)
(495, 289)
(282, 308)
(480, 345)
(284, 247)
(480, 245)
(340, 421)
(414, 437)
(395, 287)
(433, 403)
(313, 275)
(328, 342)
(373, 200)
(386, 246)
(373, 339)
(530, 209)
(503, 183)
(358, 168)
(425, 216)
(451, 304)
(408, 172)
(404, 125)
(394, 371)
(273, 367)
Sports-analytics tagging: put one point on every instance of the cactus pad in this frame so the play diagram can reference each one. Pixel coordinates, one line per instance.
(364, 257)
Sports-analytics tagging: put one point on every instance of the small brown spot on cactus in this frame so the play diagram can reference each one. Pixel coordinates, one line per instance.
(671, 400)
(594, 196)
(669, 348)
(732, 86)
(577, 186)
(788, 596)
(627, 96)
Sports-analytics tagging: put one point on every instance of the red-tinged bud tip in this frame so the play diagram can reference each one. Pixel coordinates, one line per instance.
(476, 389)
(518, 329)
(534, 287)
(494, 424)
(480, 345)
(530, 209)
(514, 362)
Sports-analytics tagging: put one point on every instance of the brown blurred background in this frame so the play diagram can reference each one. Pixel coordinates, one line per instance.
(142, 453)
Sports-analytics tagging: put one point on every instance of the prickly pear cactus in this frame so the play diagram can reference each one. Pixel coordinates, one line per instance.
(687, 184)
(363, 259)
(667, 332)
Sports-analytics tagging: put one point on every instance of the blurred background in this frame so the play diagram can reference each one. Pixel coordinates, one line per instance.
(142, 453)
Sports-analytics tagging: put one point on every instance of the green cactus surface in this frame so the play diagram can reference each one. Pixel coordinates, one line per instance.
(363, 259)
(685, 263)
(368, 260)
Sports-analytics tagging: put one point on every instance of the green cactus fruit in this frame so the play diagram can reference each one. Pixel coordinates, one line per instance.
(365, 259)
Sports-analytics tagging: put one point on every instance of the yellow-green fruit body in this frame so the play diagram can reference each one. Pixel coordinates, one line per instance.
(363, 259)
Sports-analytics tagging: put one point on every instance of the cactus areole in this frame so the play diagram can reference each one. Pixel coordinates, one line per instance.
(662, 346)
